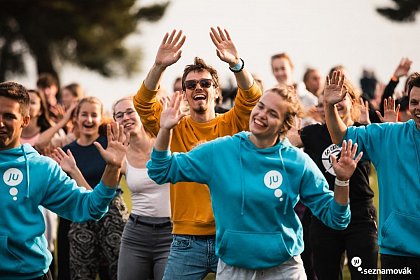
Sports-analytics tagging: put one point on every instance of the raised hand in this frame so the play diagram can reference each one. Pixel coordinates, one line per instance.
(58, 111)
(170, 49)
(403, 67)
(65, 160)
(345, 166)
(364, 111)
(117, 145)
(390, 112)
(225, 48)
(171, 114)
(69, 112)
(334, 91)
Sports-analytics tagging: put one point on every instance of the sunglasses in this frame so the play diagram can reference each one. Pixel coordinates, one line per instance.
(204, 83)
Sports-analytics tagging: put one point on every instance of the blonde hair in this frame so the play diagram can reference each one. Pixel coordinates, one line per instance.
(130, 98)
(294, 108)
(354, 96)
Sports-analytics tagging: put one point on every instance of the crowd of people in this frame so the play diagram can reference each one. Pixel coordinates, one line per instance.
(277, 186)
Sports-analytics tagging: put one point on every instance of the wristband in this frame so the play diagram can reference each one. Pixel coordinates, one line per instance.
(238, 67)
(394, 78)
(340, 183)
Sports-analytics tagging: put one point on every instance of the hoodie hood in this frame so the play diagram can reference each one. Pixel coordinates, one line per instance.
(244, 135)
(16, 166)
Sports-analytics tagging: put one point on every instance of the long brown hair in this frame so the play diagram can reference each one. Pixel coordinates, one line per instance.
(44, 120)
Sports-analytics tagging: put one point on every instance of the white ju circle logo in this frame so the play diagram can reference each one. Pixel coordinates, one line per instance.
(12, 177)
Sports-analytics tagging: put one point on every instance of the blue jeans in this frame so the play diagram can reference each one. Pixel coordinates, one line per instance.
(191, 257)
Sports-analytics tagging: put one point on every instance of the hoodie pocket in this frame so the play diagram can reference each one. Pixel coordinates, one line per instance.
(400, 233)
(9, 261)
(253, 250)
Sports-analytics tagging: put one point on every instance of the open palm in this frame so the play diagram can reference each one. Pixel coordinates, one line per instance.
(171, 114)
(115, 152)
(170, 49)
(334, 91)
(345, 166)
(66, 160)
(390, 111)
(225, 48)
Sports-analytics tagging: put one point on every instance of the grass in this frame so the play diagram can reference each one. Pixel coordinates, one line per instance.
(211, 276)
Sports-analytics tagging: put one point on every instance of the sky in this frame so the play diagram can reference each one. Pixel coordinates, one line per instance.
(315, 33)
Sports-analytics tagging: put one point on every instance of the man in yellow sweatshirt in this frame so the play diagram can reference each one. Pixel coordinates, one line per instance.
(192, 254)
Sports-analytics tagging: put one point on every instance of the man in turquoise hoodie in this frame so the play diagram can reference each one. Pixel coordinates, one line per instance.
(254, 190)
(29, 182)
(394, 149)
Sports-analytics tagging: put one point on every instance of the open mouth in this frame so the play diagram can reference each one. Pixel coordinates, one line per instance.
(199, 97)
(88, 126)
(259, 123)
(128, 125)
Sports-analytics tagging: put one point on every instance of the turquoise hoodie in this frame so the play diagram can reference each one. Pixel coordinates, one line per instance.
(253, 194)
(394, 149)
(29, 182)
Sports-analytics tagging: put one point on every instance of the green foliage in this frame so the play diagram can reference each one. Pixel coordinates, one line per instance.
(87, 33)
(403, 10)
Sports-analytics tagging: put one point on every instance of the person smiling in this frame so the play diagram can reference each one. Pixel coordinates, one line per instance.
(192, 251)
(30, 181)
(258, 233)
(394, 149)
(147, 235)
(93, 245)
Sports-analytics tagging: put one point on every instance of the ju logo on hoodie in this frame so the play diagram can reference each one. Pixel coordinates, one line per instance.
(273, 180)
(13, 177)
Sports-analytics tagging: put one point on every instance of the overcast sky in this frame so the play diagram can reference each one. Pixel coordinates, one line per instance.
(316, 33)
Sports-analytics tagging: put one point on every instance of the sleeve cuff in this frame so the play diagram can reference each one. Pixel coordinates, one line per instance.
(104, 190)
(340, 209)
(147, 93)
(159, 154)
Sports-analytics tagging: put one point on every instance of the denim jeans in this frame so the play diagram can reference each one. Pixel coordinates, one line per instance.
(144, 250)
(191, 257)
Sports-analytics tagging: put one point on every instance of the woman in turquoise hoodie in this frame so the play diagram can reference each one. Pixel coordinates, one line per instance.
(30, 182)
(255, 188)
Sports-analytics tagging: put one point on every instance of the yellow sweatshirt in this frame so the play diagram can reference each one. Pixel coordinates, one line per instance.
(191, 209)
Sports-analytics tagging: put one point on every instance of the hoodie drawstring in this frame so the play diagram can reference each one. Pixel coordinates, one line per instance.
(27, 170)
(242, 178)
(286, 203)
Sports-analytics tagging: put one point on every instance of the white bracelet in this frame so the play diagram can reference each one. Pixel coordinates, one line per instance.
(340, 183)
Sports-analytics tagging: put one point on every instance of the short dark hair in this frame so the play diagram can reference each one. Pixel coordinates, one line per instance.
(413, 81)
(200, 66)
(308, 72)
(46, 80)
(18, 93)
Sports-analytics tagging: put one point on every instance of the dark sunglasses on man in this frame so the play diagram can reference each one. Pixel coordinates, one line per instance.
(204, 83)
